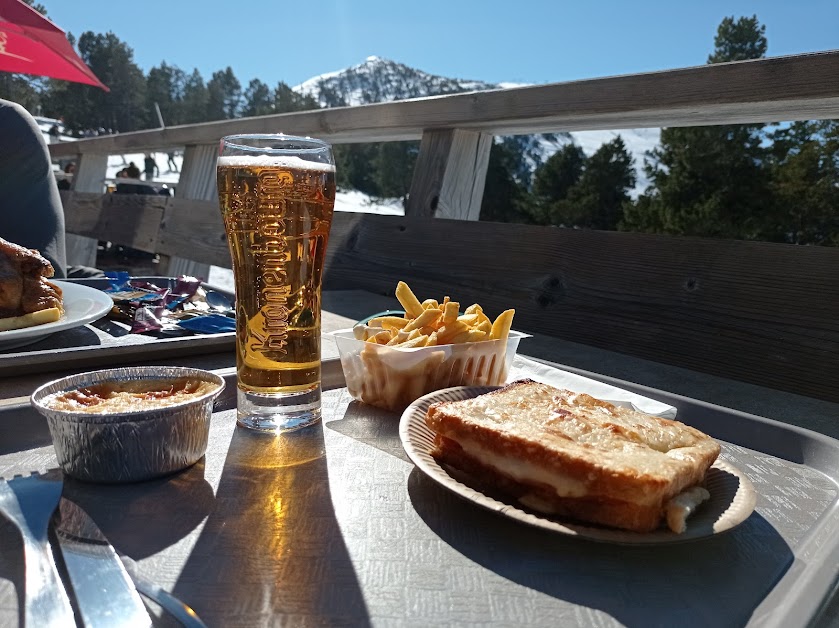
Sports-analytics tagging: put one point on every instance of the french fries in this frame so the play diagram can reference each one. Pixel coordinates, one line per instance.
(431, 323)
(457, 351)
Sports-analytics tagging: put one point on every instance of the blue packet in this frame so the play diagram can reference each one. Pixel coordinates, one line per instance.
(209, 324)
(172, 301)
(119, 279)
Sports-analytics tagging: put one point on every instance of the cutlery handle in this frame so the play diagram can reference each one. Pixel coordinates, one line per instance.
(46, 601)
(168, 602)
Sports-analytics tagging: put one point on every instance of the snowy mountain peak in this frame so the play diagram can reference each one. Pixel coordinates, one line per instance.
(382, 80)
(378, 80)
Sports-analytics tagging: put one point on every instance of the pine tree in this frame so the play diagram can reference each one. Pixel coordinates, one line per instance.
(258, 100)
(739, 41)
(40, 8)
(394, 167)
(224, 95)
(710, 181)
(554, 179)
(505, 198)
(806, 183)
(165, 87)
(559, 173)
(354, 167)
(573, 190)
(195, 99)
(287, 100)
(22, 89)
(598, 199)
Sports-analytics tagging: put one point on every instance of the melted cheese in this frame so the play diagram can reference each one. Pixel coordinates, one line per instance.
(682, 506)
(523, 471)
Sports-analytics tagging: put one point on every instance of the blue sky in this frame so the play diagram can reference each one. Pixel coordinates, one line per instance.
(525, 41)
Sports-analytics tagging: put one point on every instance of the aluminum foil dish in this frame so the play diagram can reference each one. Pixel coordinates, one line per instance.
(129, 424)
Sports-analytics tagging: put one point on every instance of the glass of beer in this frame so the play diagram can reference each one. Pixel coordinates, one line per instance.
(276, 194)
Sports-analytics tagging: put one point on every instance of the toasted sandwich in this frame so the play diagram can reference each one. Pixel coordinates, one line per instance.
(570, 455)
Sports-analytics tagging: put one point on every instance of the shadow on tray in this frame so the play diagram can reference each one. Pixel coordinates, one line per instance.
(712, 582)
(272, 551)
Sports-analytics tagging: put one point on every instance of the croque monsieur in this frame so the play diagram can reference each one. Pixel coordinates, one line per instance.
(26, 297)
(571, 455)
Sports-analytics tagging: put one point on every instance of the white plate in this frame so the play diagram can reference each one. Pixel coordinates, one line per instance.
(82, 305)
(732, 495)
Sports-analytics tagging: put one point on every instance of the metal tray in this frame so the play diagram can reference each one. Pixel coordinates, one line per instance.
(104, 342)
(356, 535)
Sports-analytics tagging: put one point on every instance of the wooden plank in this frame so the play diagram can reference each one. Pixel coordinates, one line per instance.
(798, 87)
(91, 169)
(762, 313)
(194, 230)
(197, 182)
(449, 174)
(127, 219)
(198, 173)
(80, 251)
(82, 212)
(89, 177)
(158, 224)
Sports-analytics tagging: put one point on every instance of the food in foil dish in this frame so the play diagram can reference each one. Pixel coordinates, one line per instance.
(128, 396)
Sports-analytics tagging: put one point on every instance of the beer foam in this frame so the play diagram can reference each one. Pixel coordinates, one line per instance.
(274, 161)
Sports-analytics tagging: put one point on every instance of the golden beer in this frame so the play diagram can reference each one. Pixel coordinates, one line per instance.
(277, 213)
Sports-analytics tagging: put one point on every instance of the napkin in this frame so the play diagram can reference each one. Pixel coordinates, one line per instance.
(526, 368)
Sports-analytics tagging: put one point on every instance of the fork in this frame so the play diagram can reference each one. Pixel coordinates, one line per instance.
(28, 502)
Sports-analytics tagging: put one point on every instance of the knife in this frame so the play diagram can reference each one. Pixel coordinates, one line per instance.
(103, 591)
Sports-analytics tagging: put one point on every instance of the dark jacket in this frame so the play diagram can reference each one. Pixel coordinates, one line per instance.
(31, 214)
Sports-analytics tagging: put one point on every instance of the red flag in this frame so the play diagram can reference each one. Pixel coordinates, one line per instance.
(31, 44)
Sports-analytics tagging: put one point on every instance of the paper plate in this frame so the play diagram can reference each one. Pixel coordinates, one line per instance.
(732, 494)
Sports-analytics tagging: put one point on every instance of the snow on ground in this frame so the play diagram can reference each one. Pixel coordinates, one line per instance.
(355, 201)
(166, 175)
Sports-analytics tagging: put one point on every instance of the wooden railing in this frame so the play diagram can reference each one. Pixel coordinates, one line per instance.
(763, 313)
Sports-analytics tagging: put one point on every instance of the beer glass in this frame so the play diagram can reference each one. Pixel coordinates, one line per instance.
(276, 194)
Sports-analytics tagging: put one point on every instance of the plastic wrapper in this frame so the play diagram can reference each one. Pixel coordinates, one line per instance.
(178, 308)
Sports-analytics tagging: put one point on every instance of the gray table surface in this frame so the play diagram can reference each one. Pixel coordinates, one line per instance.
(342, 308)
(337, 527)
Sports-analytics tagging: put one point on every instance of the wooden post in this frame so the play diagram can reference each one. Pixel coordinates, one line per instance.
(89, 176)
(450, 174)
(197, 182)
(198, 173)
